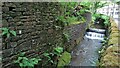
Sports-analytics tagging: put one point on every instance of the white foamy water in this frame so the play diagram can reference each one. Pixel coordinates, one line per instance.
(95, 35)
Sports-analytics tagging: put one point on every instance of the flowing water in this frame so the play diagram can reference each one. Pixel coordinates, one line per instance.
(86, 53)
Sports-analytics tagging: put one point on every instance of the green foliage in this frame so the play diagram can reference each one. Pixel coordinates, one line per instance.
(62, 19)
(105, 17)
(68, 17)
(66, 37)
(7, 32)
(26, 62)
(100, 4)
(105, 41)
(49, 57)
(95, 16)
(97, 5)
(64, 60)
(106, 20)
(94, 7)
(58, 51)
(86, 6)
(71, 19)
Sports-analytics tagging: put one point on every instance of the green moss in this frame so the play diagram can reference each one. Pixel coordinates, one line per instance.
(113, 40)
(76, 22)
(64, 60)
(110, 57)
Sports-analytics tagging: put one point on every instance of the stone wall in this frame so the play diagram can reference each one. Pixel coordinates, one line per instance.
(110, 51)
(35, 24)
(77, 32)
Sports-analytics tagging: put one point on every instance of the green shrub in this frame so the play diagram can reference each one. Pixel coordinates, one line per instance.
(52, 55)
(26, 62)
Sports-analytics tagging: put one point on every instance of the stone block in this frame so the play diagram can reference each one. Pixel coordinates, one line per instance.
(33, 23)
(5, 9)
(23, 46)
(8, 52)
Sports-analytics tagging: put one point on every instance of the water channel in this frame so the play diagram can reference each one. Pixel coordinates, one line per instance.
(86, 53)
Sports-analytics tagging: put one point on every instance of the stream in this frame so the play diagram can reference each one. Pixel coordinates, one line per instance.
(86, 53)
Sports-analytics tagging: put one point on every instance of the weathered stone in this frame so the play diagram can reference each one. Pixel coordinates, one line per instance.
(23, 46)
(5, 9)
(8, 52)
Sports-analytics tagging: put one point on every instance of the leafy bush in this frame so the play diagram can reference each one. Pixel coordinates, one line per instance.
(26, 62)
(107, 23)
(95, 16)
(86, 6)
(58, 51)
(52, 55)
(101, 16)
(71, 14)
(49, 57)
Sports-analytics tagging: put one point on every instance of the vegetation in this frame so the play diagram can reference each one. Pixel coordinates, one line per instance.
(96, 17)
(64, 60)
(98, 4)
(58, 50)
(66, 37)
(7, 32)
(24, 62)
(73, 14)
(110, 52)
(6, 35)
(118, 2)
(52, 55)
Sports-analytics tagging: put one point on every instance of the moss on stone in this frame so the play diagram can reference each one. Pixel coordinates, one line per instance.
(111, 55)
(115, 34)
(113, 41)
(64, 60)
